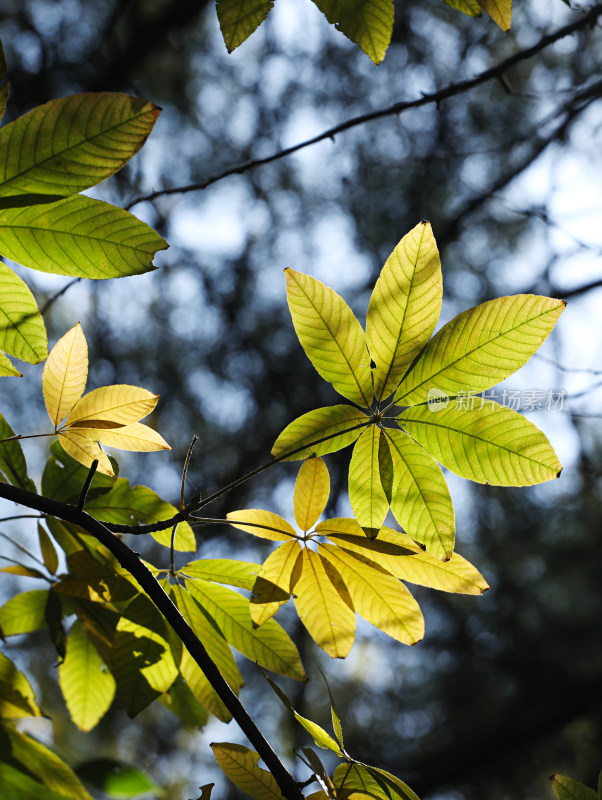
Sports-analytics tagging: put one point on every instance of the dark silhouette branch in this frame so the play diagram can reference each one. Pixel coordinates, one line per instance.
(130, 561)
(453, 89)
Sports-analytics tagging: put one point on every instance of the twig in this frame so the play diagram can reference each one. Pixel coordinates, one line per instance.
(84, 493)
(58, 294)
(429, 98)
(185, 472)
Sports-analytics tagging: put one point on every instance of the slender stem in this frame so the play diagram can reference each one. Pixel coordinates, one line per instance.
(84, 493)
(185, 472)
(24, 550)
(26, 436)
(130, 561)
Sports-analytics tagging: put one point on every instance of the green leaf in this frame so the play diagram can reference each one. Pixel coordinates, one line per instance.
(64, 477)
(4, 90)
(87, 685)
(568, 789)
(22, 330)
(17, 785)
(492, 445)
(12, 460)
(385, 467)
(223, 570)
(331, 336)
(79, 236)
(404, 307)
(70, 144)
(238, 19)
(24, 613)
(312, 489)
(264, 524)
(392, 786)
(49, 554)
(142, 662)
(17, 698)
(469, 7)
(181, 701)
(368, 23)
(241, 766)
(366, 494)
(270, 646)
(101, 581)
(370, 782)
(420, 498)
(129, 505)
(43, 764)
(117, 780)
(326, 429)
(481, 347)
(377, 596)
(275, 581)
(7, 370)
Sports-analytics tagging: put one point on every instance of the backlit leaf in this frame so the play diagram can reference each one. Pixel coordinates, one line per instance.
(22, 330)
(118, 403)
(312, 489)
(21, 569)
(117, 780)
(391, 785)
(223, 570)
(366, 494)
(488, 445)
(131, 505)
(142, 662)
(17, 698)
(18, 785)
(331, 336)
(4, 90)
(420, 498)
(87, 685)
(274, 582)
(7, 369)
(378, 597)
(241, 766)
(368, 23)
(70, 144)
(24, 613)
(238, 19)
(469, 7)
(63, 477)
(85, 450)
(79, 236)
(361, 781)
(135, 436)
(265, 524)
(12, 460)
(568, 789)
(49, 555)
(324, 606)
(500, 12)
(333, 427)
(185, 705)
(65, 374)
(481, 347)
(404, 307)
(270, 646)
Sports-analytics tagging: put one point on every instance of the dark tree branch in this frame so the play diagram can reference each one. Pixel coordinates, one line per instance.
(130, 561)
(494, 73)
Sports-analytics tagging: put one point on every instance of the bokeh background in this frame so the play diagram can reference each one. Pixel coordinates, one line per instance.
(505, 688)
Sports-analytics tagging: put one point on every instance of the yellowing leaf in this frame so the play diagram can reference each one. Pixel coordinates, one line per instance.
(12, 461)
(17, 698)
(331, 336)
(22, 331)
(404, 307)
(481, 347)
(420, 498)
(324, 606)
(325, 430)
(487, 445)
(378, 597)
(469, 7)
(366, 494)
(223, 570)
(274, 582)
(238, 19)
(240, 764)
(49, 555)
(24, 613)
(265, 524)
(135, 436)
(65, 374)
(270, 645)
(119, 403)
(368, 23)
(87, 685)
(312, 489)
(7, 370)
(568, 789)
(500, 12)
(85, 451)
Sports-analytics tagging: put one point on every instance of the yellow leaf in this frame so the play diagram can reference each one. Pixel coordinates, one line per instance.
(312, 489)
(135, 436)
(324, 605)
(65, 374)
(378, 597)
(241, 765)
(500, 11)
(85, 451)
(404, 307)
(118, 403)
(274, 582)
(366, 494)
(264, 524)
(7, 369)
(368, 23)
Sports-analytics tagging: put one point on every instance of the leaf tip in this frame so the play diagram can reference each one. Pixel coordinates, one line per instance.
(559, 472)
